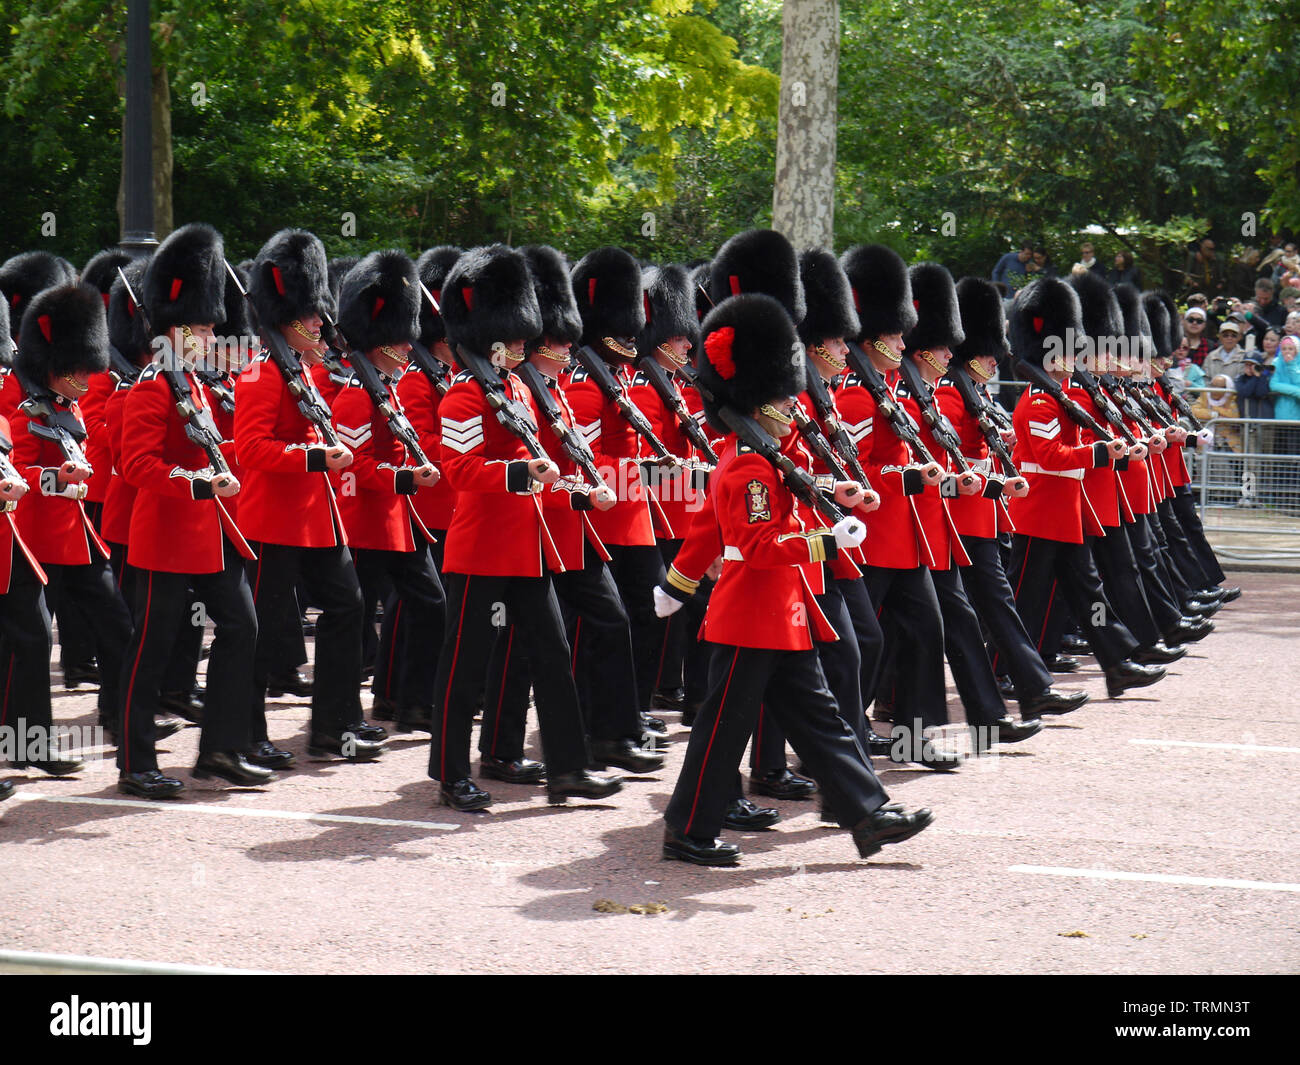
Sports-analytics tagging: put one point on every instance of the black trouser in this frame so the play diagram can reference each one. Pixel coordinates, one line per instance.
(420, 609)
(914, 628)
(989, 592)
(636, 571)
(331, 581)
(76, 622)
(1173, 579)
(162, 608)
(699, 652)
(842, 666)
(963, 643)
(394, 642)
(792, 685)
(1190, 519)
(1123, 581)
(1165, 609)
(92, 586)
(183, 668)
(1181, 554)
(25, 627)
(1042, 569)
(475, 605)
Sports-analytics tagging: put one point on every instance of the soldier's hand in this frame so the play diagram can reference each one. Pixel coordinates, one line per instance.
(225, 485)
(869, 502)
(969, 484)
(73, 472)
(1016, 488)
(848, 493)
(1138, 451)
(849, 532)
(12, 491)
(715, 569)
(1157, 444)
(337, 457)
(603, 497)
(543, 470)
(426, 476)
(1176, 434)
(932, 473)
(665, 604)
(1008, 437)
(1117, 448)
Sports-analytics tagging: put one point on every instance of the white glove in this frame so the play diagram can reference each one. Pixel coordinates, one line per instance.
(1205, 437)
(665, 605)
(849, 532)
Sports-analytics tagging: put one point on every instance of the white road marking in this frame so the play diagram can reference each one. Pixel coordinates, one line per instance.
(1154, 878)
(231, 811)
(118, 965)
(1218, 746)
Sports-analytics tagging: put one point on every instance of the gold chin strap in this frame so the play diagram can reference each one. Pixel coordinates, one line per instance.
(671, 355)
(934, 363)
(895, 359)
(618, 349)
(777, 416)
(397, 357)
(304, 332)
(503, 356)
(193, 347)
(976, 369)
(77, 386)
(838, 365)
(551, 356)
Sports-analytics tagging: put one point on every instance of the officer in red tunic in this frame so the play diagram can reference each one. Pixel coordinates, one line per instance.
(288, 508)
(603, 669)
(762, 615)
(1048, 551)
(500, 552)
(379, 311)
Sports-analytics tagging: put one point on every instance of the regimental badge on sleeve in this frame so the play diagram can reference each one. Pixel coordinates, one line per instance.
(760, 508)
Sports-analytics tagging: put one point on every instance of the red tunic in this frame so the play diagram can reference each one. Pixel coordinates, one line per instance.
(92, 405)
(434, 505)
(678, 498)
(974, 515)
(1102, 501)
(115, 525)
(10, 538)
(940, 529)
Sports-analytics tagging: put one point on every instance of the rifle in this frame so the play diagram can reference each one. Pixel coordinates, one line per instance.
(1157, 409)
(982, 411)
(817, 441)
(613, 392)
(217, 384)
(398, 423)
(899, 420)
(1076, 413)
(835, 432)
(429, 365)
(658, 378)
(199, 426)
(120, 367)
(1103, 403)
(940, 428)
(1179, 401)
(1115, 386)
(570, 439)
(55, 423)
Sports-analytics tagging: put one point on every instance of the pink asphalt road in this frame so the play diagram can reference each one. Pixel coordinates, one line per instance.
(1151, 834)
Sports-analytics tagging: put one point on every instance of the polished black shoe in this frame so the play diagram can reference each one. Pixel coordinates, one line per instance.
(6, 789)
(1008, 730)
(166, 726)
(626, 755)
(75, 676)
(1051, 701)
(150, 784)
(781, 784)
(1158, 654)
(580, 785)
(1073, 643)
(745, 816)
(688, 715)
(58, 765)
(1211, 594)
(364, 730)
(517, 771)
(230, 766)
(292, 683)
(1200, 608)
(826, 816)
(1062, 664)
(939, 759)
(1188, 630)
(878, 745)
(888, 826)
(1229, 594)
(668, 699)
(269, 756)
(347, 745)
(1007, 687)
(682, 848)
(650, 723)
(414, 719)
(464, 795)
(383, 709)
(1130, 674)
(188, 705)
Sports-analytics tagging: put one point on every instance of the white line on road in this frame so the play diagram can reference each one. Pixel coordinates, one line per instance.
(233, 811)
(1219, 746)
(85, 963)
(1154, 878)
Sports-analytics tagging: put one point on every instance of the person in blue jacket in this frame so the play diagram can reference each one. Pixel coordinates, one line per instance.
(1285, 385)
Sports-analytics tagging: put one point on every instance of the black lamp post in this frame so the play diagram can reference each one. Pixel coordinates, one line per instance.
(137, 132)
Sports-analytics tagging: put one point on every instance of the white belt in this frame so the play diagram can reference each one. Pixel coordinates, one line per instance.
(732, 554)
(1033, 467)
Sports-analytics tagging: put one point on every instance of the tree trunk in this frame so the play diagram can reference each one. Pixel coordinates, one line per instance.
(803, 198)
(162, 152)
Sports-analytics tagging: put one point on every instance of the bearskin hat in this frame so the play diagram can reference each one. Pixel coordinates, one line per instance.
(1102, 320)
(700, 289)
(938, 320)
(983, 320)
(1137, 326)
(489, 298)
(290, 280)
(379, 302)
(1041, 318)
(336, 270)
(27, 274)
(669, 307)
(6, 338)
(758, 260)
(828, 297)
(125, 323)
(882, 290)
(607, 287)
(63, 331)
(185, 283)
(750, 355)
(561, 320)
(101, 271)
(433, 266)
(236, 321)
(1163, 330)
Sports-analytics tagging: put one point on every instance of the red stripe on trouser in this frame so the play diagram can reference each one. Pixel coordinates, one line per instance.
(1047, 616)
(257, 582)
(392, 651)
(501, 691)
(451, 676)
(130, 688)
(1024, 568)
(722, 705)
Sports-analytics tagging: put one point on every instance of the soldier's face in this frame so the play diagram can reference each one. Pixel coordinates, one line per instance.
(71, 386)
(778, 427)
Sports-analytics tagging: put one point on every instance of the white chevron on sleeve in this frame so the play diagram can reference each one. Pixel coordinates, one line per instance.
(858, 430)
(590, 433)
(354, 438)
(1047, 430)
(463, 436)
